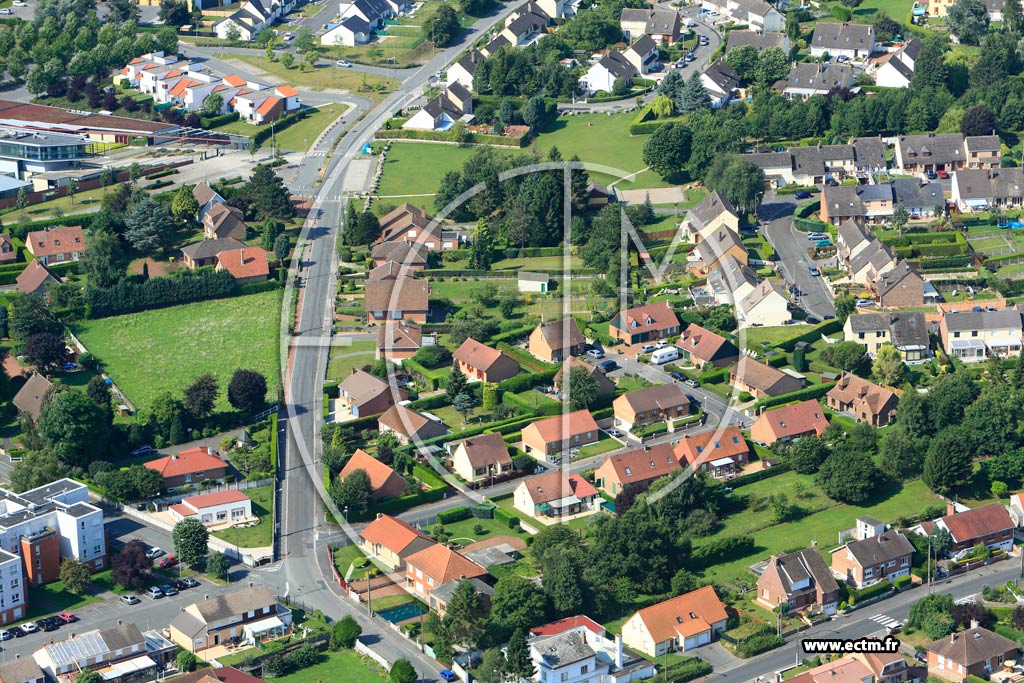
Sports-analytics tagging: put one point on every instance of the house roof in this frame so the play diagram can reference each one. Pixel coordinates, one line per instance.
(217, 498)
(710, 208)
(390, 270)
(851, 388)
(267, 105)
(705, 344)
(851, 234)
(845, 36)
(29, 398)
(244, 263)
(393, 534)
(555, 485)
(658, 316)
(286, 91)
(717, 244)
(889, 280)
(1004, 318)
(643, 464)
(977, 522)
(559, 427)
(224, 674)
(794, 419)
(876, 254)
(378, 472)
(444, 564)
(972, 646)
(360, 387)
(843, 670)
(931, 148)
(816, 77)
(901, 68)
(410, 423)
(880, 549)
(617, 65)
(476, 355)
(21, 670)
(604, 385)
(913, 48)
(763, 377)
(222, 217)
(234, 80)
(869, 151)
(469, 60)
(765, 290)
(485, 450)
(188, 461)
(983, 143)
(234, 603)
(912, 193)
(659, 397)
(203, 193)
(553, 333)
(34, 277)
(566, 624)
(909, 329)
(687, 615)
(711, 444)
(401, 294)
(643, 45)
(407, 253)
(723, 76)
(734, 275)
(759, 41)
(399, 335)
(801, 565)
(207, 249)
(62, 240)
(563, 649)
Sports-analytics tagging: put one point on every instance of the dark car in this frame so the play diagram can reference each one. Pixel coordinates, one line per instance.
(168, 590)
(48, 624)
(178, 585)
(932, 175)
(18, 632)
(678, 376)
(803, 194)
(811, 320)
(189, 582)
(607, 366)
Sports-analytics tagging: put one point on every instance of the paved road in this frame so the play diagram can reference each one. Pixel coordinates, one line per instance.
(776, 216)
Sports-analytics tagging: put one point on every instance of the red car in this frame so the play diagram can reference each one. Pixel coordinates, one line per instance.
(168, 561)
(67, 617)
(944, 174)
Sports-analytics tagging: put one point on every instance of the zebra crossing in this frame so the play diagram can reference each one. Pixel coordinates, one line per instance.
(885, 620)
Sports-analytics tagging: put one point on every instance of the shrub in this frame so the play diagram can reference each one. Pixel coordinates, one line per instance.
(509, 519)
(454, 515)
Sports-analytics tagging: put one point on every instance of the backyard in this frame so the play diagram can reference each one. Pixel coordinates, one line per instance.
(346, 358)
(357, 670)
(262, 534)
(164, 350)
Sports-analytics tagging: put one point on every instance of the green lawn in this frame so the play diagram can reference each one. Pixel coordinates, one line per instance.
(603, 445)
(404, 44)
(262, 534)
(388, 601)
(775, 335)
(319, 78)
(417, 167)
(897, 9)
(312, 10)
(52, 598)
(357, 670)
(464, 531)
(601, 139)
(345, 358)
(299, 136)
(80, 203)
(164, 350)
(345, 556)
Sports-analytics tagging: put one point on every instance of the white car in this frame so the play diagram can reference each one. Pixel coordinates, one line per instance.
(29, 627)
(154, 552)
(20, 3)
(6, 10)
(647, 348)
(343, 64)
(130, 599)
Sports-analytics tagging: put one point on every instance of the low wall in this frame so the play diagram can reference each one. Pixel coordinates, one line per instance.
(367, 652)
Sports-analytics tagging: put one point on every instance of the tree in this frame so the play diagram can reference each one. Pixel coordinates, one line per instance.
(190, 541)
(900, 454)
(344, 633)
(671, 86)
(480, 254)
(247, 391)
(888, 367)
(366, 229)
(738, 179)
(217, 565)
(213, 105)
(72, 189)
(443, 27)
(282, 247)
(683, 581)
(465, 615)
(184, 207)
(807, 454)
(900, 218)
(743, 60)
(267, 195)
(74, 428)
(130, 567)
(517, 656)
(123, 12)
(464, 403)
(456, 383)
(173, 13)
(968, 20)
(492, 668)
(199, 397)
(563, 583)
(31, 314)
(402, 671)
(287, 60)
(187, 661)
(793, 26)
(1012, 17)
(848, 477)
(931, 614)
(232, 33)
(88, 676)
(694, 96)
(46, 351)
(848, 356)
(583, 388)
(667, 150)
(978, 120)
(104, 262)
(74, 575)
(147, 225)
(772, 65)
(517, 603)
(534, 112)
(947, 464)
(353, 492)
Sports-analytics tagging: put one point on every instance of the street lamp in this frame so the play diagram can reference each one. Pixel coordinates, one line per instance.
(346, 515)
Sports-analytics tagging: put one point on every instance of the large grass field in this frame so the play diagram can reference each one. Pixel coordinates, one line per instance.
(417, 168)
(319, 78)
(897, 9)
(164, 350)
(298, 137)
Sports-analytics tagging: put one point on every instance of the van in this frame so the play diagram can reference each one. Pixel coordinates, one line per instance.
(664, 355)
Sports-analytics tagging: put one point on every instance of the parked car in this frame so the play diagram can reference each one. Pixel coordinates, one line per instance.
(864, 303)
(681, 63)
(614, 432)
(595, 354)
(813, 270)
(803, 194)
(29, 627)
(155, 593)
(689, 57)
(691, 383)
(142, 450)
(5, 634)
(168, 561)
(894, 628)
(343, 64)
(179, 584)
(6, 10)
(811, 320)
(67, 617)
(168, 590)
(154, 552)
(816, 235)
(823, 243)
(944, 175)
(607, 366)
(190, 582)
(20, 3)
(647, 348)
(18, 632)
(448, 675)
(842, 59)
(48, 623)
(677, 376)
(130, 599)
(932, 175)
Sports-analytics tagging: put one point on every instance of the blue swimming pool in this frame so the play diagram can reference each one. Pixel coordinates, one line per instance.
(1016, 225)
(399, 614)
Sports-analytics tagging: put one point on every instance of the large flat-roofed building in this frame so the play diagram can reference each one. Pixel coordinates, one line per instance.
(96, 127)
(26, 153)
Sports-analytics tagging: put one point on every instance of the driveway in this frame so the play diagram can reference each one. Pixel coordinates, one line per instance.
(717, 656)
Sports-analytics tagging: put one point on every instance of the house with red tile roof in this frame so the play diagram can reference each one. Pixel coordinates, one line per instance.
(700, 347)
(645, 323)
(384, 481)
(482, 457)
(480, 363)
(191, 466)
(989, 524)
(248, 264)
(636, 467)
(224, 674)
(800, 580)
(580, 622)
(35, 279)
(973, 653)
(553, 435)
(8, 254)
(604, 385)
(409, 426)
(390, 541)
(214, 509)
(721, 452)
(789, 422)
(401, 339)
(554, 495)
(56, 245)
(842, 670)
(436, 565)
(676, 625)
(866, 401)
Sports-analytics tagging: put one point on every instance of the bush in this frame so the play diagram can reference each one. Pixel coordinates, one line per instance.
(216, 121)
(130, 295)
(901, 581)
(722, 550)
(686, 669)
(758, 642)
(483, 510)
(454, 515)
(509, 519)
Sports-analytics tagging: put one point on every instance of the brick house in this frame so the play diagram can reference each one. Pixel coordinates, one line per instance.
(221, 221)
(362, 394)
(481, 457)
(556, 340)
(875, 555)
(974, 652)
(191, 466)
(800, 580)
(759, 379)
(789, 422)
(36, 279)
(635, 467)
(384, 481)
(56, 245)
(660, 403)
(644, 323)
(554, 494)
(719, 452)
(398, 340)
(390, 540)
(988, 524)
(402, 298)
(436, 565)
(408, 425)
(866, 401)
(481, 363)
(248, 264)
(559, 433)
(887, 667)
(700, 347)
(676, 625)
(899, 287)
(604, 385)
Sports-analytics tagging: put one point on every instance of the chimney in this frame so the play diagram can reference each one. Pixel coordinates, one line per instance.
(952, 638)
(974, 623)
(950, 509)
(618, 652)
(379, 515)
(250, 584)
(174, 457)
(118, 622)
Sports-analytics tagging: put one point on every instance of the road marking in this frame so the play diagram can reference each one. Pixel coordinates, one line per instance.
(884, 620)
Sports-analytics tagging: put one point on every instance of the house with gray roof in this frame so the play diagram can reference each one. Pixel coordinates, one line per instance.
(974, 335)
(807, 79)
(852, 240)
(983, 151)
(662, 25)
(899, 287)
(602, 76)
(554, 657)
(853, 41)
(977, 189)
(758, 40)
(720, 82)
(930, 152)
(119, 653)
(245, 615)
(642, 54)
(877, 554)
(871, 263)
(713, 212)
(869, 155)
(919, 198)
(462, 70)
(861, 203)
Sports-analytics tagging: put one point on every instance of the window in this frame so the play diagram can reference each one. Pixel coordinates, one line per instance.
(585, 667)
(37, 551)
(565, 675)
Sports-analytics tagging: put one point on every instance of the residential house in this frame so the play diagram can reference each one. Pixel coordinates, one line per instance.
(412, 256)
(870, 329)
(720, 83)
(801, 581)
(495, 45)
(258, 103)
(410, 224)
(759, 379)
(766, 305)
(248, 264)
(860, 203)
(606, 72)
(8, 254)
(983, 151)
(920, 154)
(975, 652)
(635, 467)
(732, 281)
(702, 347)
(481, 363)
(899, 287)
(409, 426)
(559, 433)
(403, 298)
(435, 566)
(350, 31)
(813, 165)
(757, 40)
(385, 483)
(717, 246)
(645, 323)
(869, 155)
(206, 197)
(554, 495)
(642, 54)
(247, 616)
(223, 221)
(525, 25)
(908, 331)
(482, 457)
(36, 279)
(533, 283)
(853, 41)
(250, 19)
(614, 663)
(712, 214)
(887, 667)
(362, 394)
(851, 240)
(441, 596)
(56, 245)
(977, 190)
(866, 401)
(721, 452)
(868, 266)
(1016, 509)
(204, 252)
(224, 674)
(604, 385)
(390, 541)
(920, 199)
(662, 25)
(120, 654)
(848, 669)
(940, 8)
(214, 509)
(876, 554)
(756, 14)
(789, 422)
(462, 70)
(807, 79)
(989, 525)
(14, 595)
(23, 670)
(401, 339)
(676, 625)
(556, 340)
(190, 467)
(453, 105)
(567, 656)
(659, 403)
(975, 335)
(29, 398)
(897, 69)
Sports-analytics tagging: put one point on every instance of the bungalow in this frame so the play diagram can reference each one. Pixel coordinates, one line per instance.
(866, 401)
(444, 594)
(481, 363)
(362, 394)
(435, 566)
(989, 525)
(36, 279)
(974, 653)
(212, 509)
(385, 483)
(853, 41)
(701, 347)
(248, 264)
(204, 252)
(721, 452)
(222, 221)
(190, 467)
(604, 385)
(676, 625)
(660, 403)
(875, 555)
(350, 31)
(411, 256)
(30, 397)
(644, 323)
(635, 467)
(409, 426)
(759, 379)
(453, 105)
(556, 340)
(712, 214)
(559, 433)
(482, 457)
(403, 298)
(789, 422)
(56, 245)
(606, 72)
(554, 495)
(389, 541)
(799, 581)
(401, 339)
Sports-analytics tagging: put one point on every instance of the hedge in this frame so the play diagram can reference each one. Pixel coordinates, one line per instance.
(808, 225)
(872, 591)
(773, 471)
(431, 403)
(685, 669)
(260, 287)
(651, 430)
(528, 381)
(941, 250)
(811, 208)
(429, 376)
(759, 642)
(396, 505)
(813, 392)
(900, 581)
(945, 262)
(130, 296)
(721, 550)
(524, 405)
(513, 334)
(454, 515)
(19, 230)
(439, 136)
(532, 252)
(509, 519)
(216, 121)
(717, 376)
(483, 510)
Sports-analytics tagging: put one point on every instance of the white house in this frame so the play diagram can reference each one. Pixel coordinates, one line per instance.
(462, 71)
(898, 69)
(223, 507)
(720, 82)
(642, 54)
(853, 41)
(350, 31)
(525, 25)
(441, 113)
(568, 658)
(602, 76)
(765, 305)
(250, 19)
